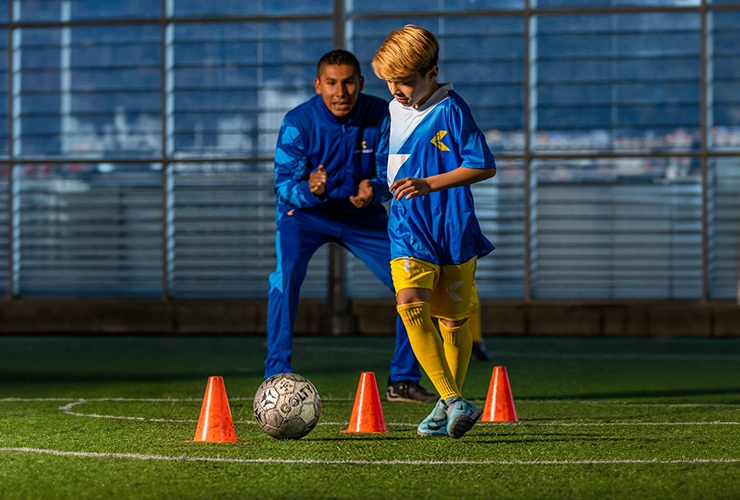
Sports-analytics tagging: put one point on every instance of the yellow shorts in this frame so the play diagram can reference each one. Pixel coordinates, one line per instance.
(450, 285)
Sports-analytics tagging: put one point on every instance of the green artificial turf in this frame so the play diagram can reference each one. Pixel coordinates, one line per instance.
(112, 417)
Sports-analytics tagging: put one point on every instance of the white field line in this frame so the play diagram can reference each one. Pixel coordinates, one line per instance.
(185, 458)
(67, 409)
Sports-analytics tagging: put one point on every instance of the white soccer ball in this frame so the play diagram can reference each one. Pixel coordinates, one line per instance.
(287, 406)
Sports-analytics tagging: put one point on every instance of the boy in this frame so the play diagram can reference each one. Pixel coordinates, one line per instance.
(436, 151)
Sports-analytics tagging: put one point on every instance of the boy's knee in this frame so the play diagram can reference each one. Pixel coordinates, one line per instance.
(412, 295)
(453, 323)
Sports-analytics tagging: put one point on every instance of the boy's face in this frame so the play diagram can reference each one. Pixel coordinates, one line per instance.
(339, 86)
(416, 89)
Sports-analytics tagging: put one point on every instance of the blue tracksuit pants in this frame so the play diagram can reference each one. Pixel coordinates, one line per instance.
(298, 237)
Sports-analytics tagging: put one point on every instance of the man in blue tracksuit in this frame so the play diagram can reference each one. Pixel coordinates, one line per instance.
(330, 181)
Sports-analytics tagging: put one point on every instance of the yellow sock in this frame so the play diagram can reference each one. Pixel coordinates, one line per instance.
(474, 321)
(427, 346)
(458, 345)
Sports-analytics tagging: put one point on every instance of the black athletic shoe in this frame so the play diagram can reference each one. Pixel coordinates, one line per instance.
(408, 391)
(479, 351)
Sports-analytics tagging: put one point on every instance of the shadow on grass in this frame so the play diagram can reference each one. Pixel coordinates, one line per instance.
(369, 438)
(487, 438)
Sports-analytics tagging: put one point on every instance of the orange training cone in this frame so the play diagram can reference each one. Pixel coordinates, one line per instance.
(499, 405)
(215, 424)
(367, 413)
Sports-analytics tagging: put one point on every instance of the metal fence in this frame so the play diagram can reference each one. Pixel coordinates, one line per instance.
(136, 141)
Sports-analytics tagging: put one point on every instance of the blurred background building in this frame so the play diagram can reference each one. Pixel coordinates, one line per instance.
(137, 136)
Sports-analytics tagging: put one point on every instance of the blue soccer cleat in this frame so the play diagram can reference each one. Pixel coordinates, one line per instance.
(461, 417)
(435, 425)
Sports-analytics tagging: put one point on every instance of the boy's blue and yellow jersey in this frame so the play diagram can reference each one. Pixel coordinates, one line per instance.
(438, 137)
(350, 152)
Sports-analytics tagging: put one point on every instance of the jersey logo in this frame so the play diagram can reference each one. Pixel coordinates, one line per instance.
(451, 290)
(437, 140)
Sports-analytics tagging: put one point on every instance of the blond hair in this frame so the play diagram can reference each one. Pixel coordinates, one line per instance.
(404, 52)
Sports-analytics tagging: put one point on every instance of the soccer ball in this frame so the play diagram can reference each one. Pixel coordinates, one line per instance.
(287, 406)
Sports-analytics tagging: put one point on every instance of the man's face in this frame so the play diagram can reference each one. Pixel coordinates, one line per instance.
(416, 89)
(339, 87)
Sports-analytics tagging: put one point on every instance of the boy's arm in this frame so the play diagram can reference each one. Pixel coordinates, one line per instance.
(291, 181)
(412, 187)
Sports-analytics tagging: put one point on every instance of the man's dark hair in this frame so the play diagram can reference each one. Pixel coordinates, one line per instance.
(338, 57)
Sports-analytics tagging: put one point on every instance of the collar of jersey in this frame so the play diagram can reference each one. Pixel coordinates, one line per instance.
(439, 95)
